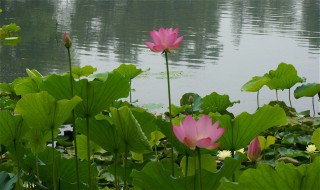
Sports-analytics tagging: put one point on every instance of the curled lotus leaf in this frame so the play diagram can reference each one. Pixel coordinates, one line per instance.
(307, 90)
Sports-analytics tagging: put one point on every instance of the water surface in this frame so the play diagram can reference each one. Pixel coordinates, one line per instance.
(225, 43)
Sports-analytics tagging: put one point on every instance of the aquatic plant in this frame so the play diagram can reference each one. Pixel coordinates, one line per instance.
(166, 40)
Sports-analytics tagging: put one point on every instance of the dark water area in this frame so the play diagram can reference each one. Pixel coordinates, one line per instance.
(225, 43)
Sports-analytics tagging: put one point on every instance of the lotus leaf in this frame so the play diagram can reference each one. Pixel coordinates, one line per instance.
(307, 90)
(284, 77)
(256, 83)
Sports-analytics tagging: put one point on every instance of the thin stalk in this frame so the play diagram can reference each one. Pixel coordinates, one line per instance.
(37, 166)
(290, 98)
(88, 153)
(130, 91)
(125, 166)
(170, 119)
(314, 110)
(18, 165)
(277, 96)
(155, 149)
(195, 176)
(233, 175)
(73, 122)
(199, 160)
(53, 162)
(187, 164)
(258, 99)
(115, 170)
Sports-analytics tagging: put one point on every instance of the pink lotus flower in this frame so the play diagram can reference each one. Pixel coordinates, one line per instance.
(199, 133)
(66, 40)
(254, 150)
(164, 40)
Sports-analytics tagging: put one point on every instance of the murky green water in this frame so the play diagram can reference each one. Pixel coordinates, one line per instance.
(225, 42)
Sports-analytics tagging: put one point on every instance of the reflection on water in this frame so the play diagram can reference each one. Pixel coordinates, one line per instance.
(225, 42)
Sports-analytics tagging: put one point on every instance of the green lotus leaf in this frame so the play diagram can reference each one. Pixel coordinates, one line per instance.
(197, 101)
(284, 176)
(154, 176)
(307, 90)
(12, 128)
(96, 95)
(266, 142)
(6, 88)
(316, 138)
(156, 136)
(57, 86)
(7, 181)
(284, 77)
(176, 110)
(102, 133)
(85, 71)
(216, 103)
(42, 111)
(245, 127)
(82, 147)
(146, 120)
(12, 27)
(100, 76)
(130, 71)
(208, 163)
(26, 85)
(65, 169)
(37, 139)
(129, 130)
(256, 83)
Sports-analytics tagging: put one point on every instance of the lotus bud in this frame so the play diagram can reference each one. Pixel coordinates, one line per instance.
(66, 40)
(190, 99)
(254, 150)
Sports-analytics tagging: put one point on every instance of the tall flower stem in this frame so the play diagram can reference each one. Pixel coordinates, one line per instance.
(53, 162)
(199, 161)
(290, 98)
(170, 119)
(18, 165)
(187, 163)
(88, 153)
(125, 166)
(73, 121)
(258, 99)
(314, 110)
(115, 170)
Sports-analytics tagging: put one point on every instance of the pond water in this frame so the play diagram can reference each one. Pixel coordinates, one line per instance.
(225, 43)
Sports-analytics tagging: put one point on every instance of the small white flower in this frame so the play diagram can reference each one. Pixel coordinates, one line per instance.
(223, 154)
(311, 148)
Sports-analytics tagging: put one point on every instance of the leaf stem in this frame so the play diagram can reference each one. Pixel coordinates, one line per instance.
(170, 119)
(88, 153)
(130, 91)
(199, 160)
(290, 98)
(115, 170)
(18, 165)
(314, 111)
(258, 99)
(73, 121)
(125, 166)
(187, 163)
(53, 161)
